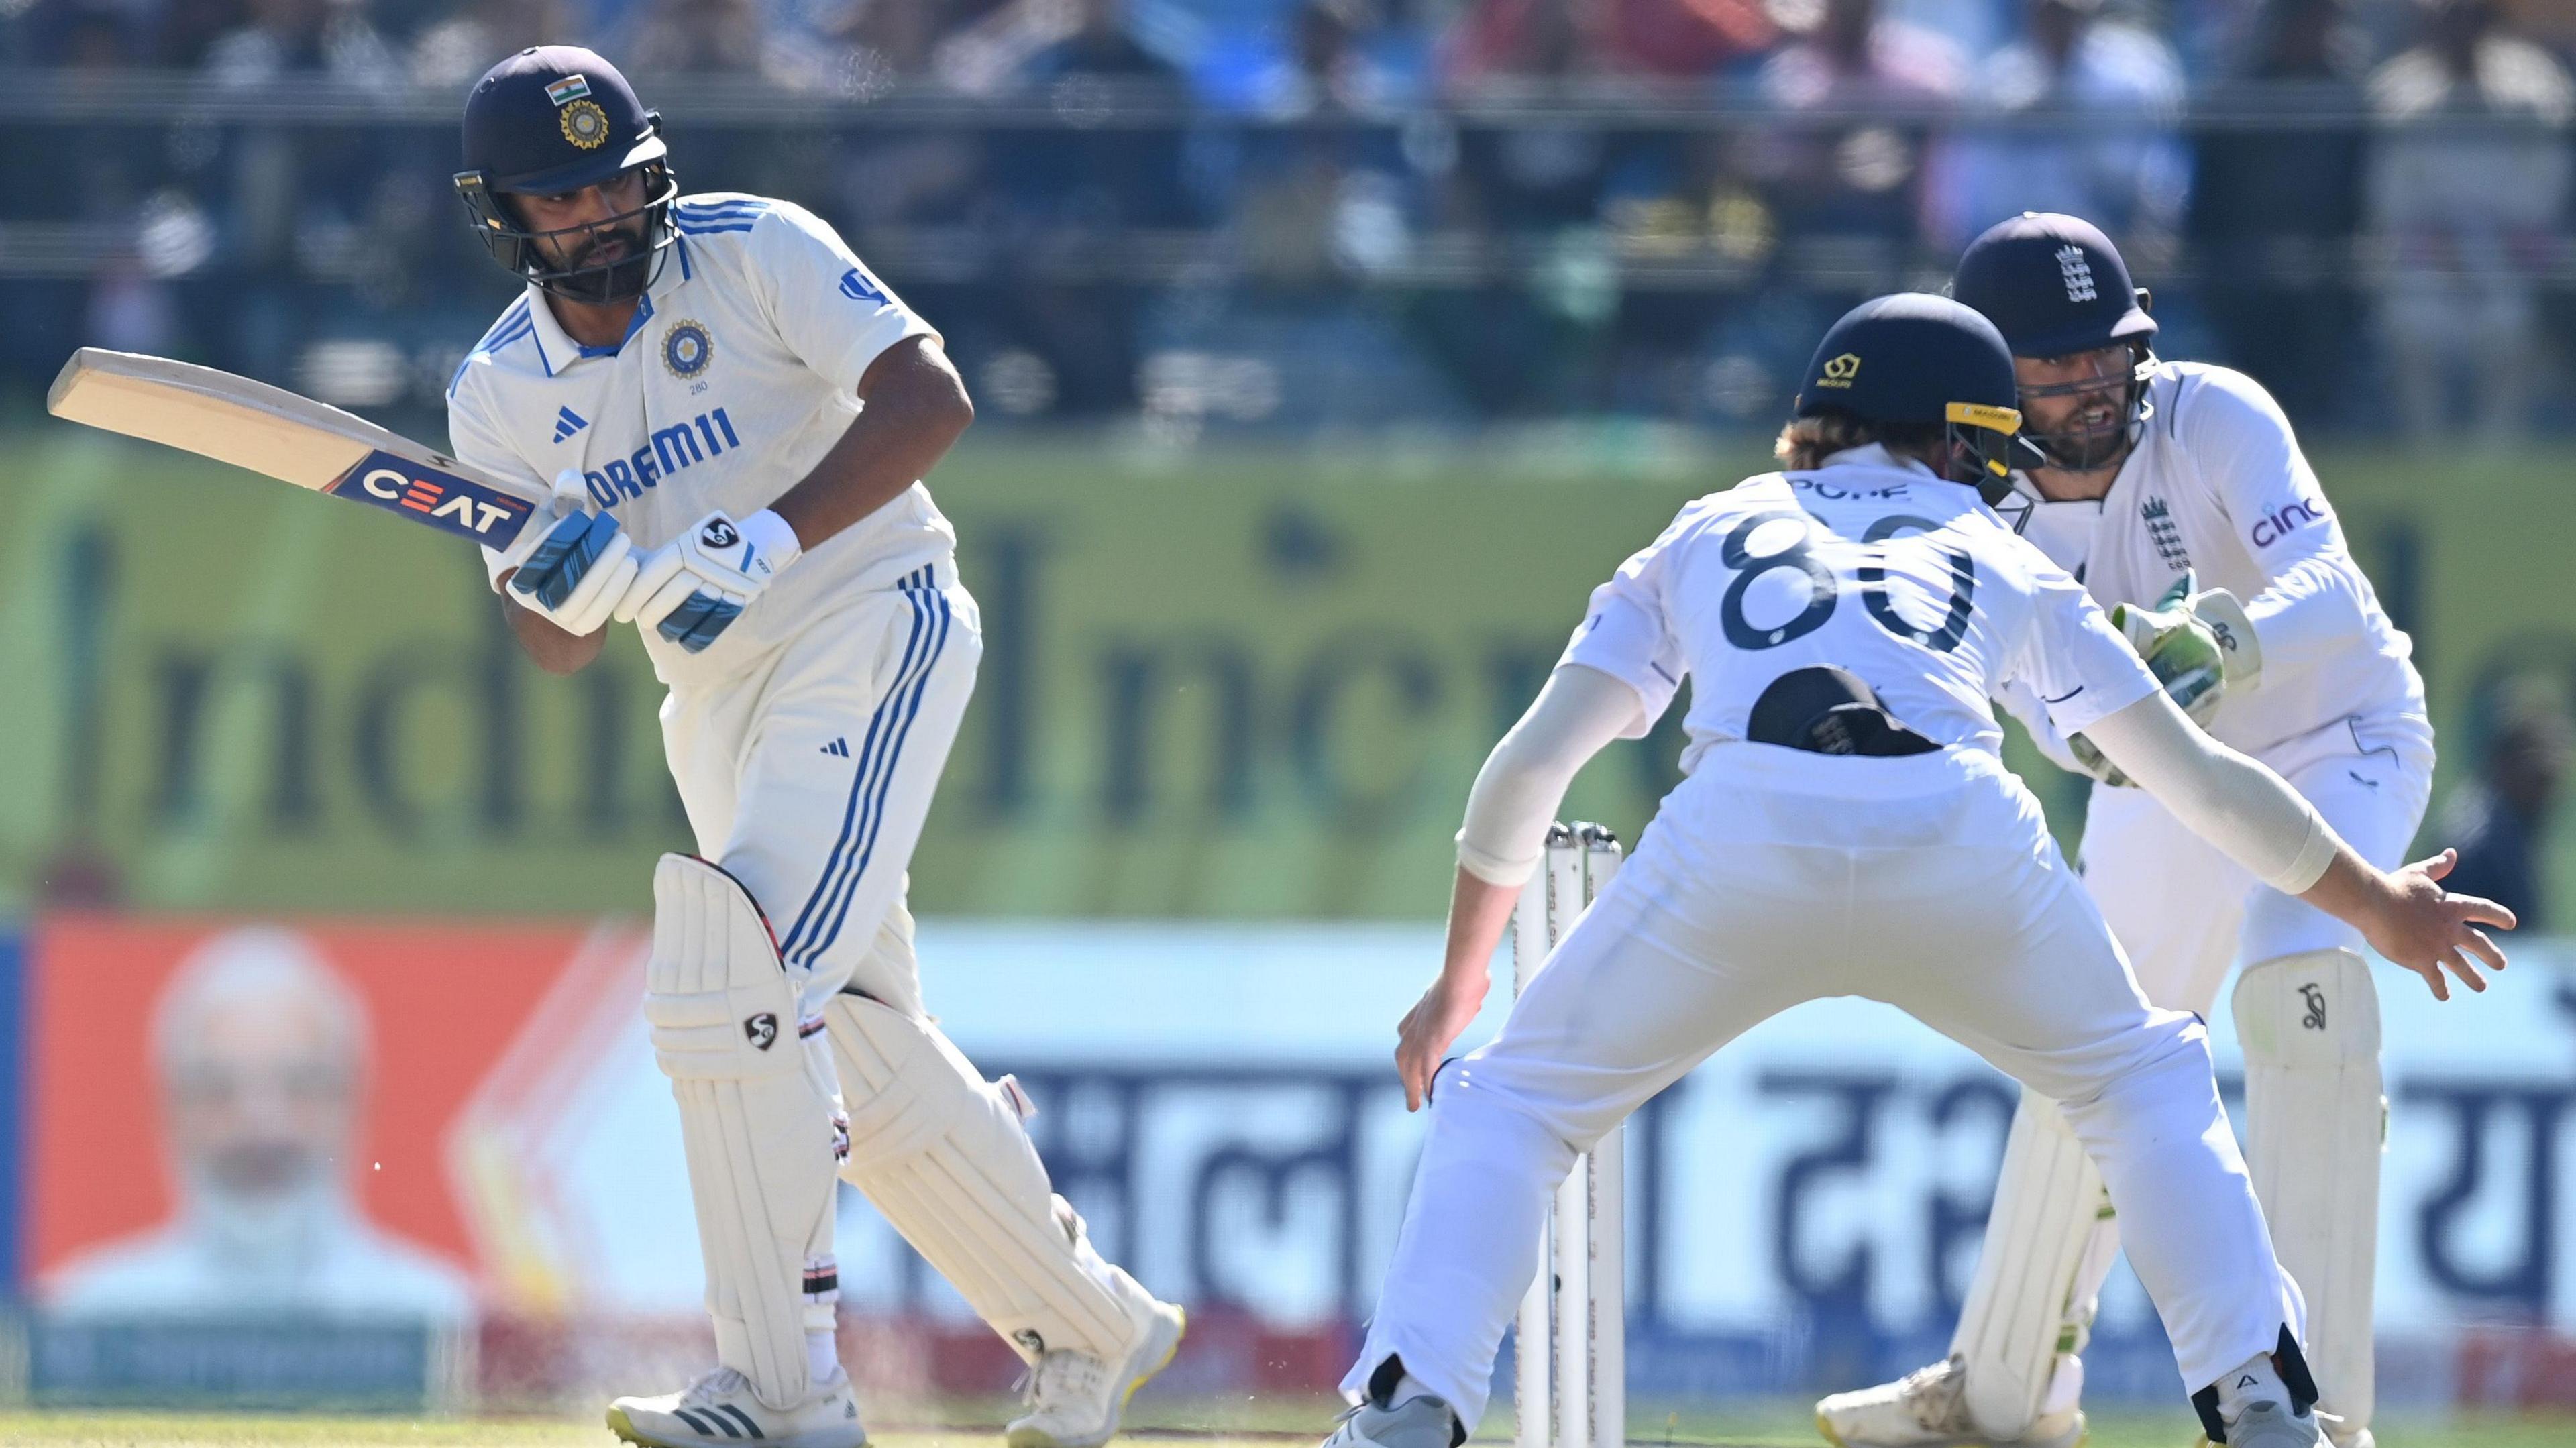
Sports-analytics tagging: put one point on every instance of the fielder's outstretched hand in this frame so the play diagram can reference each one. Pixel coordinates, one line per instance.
(2421, 926)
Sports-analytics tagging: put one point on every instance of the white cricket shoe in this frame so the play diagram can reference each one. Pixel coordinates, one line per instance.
(2273, 1425)
(1075, 1399)
(720, 1408)
(1928, 1408)
(2326, 1422)
(1417, 1422)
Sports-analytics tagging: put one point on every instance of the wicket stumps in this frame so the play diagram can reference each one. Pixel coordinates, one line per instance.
(1581, 1290)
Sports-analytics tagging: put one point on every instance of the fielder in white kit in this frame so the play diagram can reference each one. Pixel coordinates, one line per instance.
(2177, 493)
(735, 415)
(1845, 826)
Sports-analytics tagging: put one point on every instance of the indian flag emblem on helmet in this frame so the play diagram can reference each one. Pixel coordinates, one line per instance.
(687, 349)
(567, 90)
(585, 125)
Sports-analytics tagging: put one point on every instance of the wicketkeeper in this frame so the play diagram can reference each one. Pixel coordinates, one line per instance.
(2177, 493)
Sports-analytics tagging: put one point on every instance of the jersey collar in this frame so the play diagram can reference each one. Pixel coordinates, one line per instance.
(1876, 455)
(559, 352)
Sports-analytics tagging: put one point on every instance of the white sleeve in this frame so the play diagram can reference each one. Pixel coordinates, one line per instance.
(2022, 702)
(2315, 599)
(472, 439)
(2070, 658)
(828, 308)
(1578, 711)
(1623, 633)
(2250, 813)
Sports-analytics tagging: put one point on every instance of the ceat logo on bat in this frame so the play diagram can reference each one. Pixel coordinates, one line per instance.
(442, 500)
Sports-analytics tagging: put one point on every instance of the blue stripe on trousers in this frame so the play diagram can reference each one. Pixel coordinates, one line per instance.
(877, 728)
(885, 787)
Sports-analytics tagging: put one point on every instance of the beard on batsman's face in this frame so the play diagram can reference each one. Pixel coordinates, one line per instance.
(608, 262)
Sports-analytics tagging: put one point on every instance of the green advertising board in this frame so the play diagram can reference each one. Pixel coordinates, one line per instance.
(1247, 685)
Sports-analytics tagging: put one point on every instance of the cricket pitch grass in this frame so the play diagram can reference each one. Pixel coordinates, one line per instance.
(1272, 1425)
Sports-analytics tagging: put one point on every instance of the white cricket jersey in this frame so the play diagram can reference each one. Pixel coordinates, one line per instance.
(1870, 563)
(2217, 485)
(740, 372)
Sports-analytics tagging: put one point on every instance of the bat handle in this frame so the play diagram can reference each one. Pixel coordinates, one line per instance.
(572, 494)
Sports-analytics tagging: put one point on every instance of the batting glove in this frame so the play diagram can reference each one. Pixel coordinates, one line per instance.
(693, 588)
(577, 571)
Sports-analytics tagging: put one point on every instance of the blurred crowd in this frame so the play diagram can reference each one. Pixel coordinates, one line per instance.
(1373, 211)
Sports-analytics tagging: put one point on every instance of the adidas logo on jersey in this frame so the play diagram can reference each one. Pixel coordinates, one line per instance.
(568, 422)
(838, 749)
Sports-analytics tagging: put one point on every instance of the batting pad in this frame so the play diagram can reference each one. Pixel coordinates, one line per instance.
(2315, 1124)
(2049, 1244)
(757, 1116)
(945, 1157)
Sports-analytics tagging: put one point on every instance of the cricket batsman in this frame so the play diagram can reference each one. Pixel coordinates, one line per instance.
(735, 415)
(2177, 493)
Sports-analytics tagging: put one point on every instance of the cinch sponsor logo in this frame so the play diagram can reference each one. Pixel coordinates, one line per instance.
(2274, 527)
(667, 451)
(442, 500)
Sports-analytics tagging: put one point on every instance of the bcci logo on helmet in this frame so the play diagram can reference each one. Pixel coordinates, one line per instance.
(1840, 371)
(585, 124)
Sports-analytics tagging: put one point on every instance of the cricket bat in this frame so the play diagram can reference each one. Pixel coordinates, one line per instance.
(296, 439)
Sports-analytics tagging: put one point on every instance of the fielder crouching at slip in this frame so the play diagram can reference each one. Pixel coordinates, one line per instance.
(736, 416)
(1845, 826)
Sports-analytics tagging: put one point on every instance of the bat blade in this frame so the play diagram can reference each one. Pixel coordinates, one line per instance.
(293, 438)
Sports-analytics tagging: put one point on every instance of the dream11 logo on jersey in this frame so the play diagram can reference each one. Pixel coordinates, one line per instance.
(2272, 527)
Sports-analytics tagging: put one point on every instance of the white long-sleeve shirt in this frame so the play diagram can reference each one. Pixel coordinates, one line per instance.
(2217, 484)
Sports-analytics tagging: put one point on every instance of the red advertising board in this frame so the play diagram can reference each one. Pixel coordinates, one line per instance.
(204, 1087)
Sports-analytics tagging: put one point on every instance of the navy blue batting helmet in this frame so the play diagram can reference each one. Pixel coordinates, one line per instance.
(2057, 287)
(1917, 361)
(548, 121)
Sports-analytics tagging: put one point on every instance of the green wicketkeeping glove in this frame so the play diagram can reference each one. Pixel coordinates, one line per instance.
(2180, 643)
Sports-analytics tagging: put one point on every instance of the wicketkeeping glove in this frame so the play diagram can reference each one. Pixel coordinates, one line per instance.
(578, 570)
(2182, 649)
(692, 588)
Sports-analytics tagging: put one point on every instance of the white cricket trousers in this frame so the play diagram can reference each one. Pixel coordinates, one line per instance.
(1771, 877)
(809, 775)
(2184, 913)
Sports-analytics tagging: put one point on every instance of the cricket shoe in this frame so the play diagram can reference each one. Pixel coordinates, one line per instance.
(2272, 1425)
(720, 1408)
(2357, 1438)
(1928, 1408)
(1422, 1421)
(1075, 1399)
